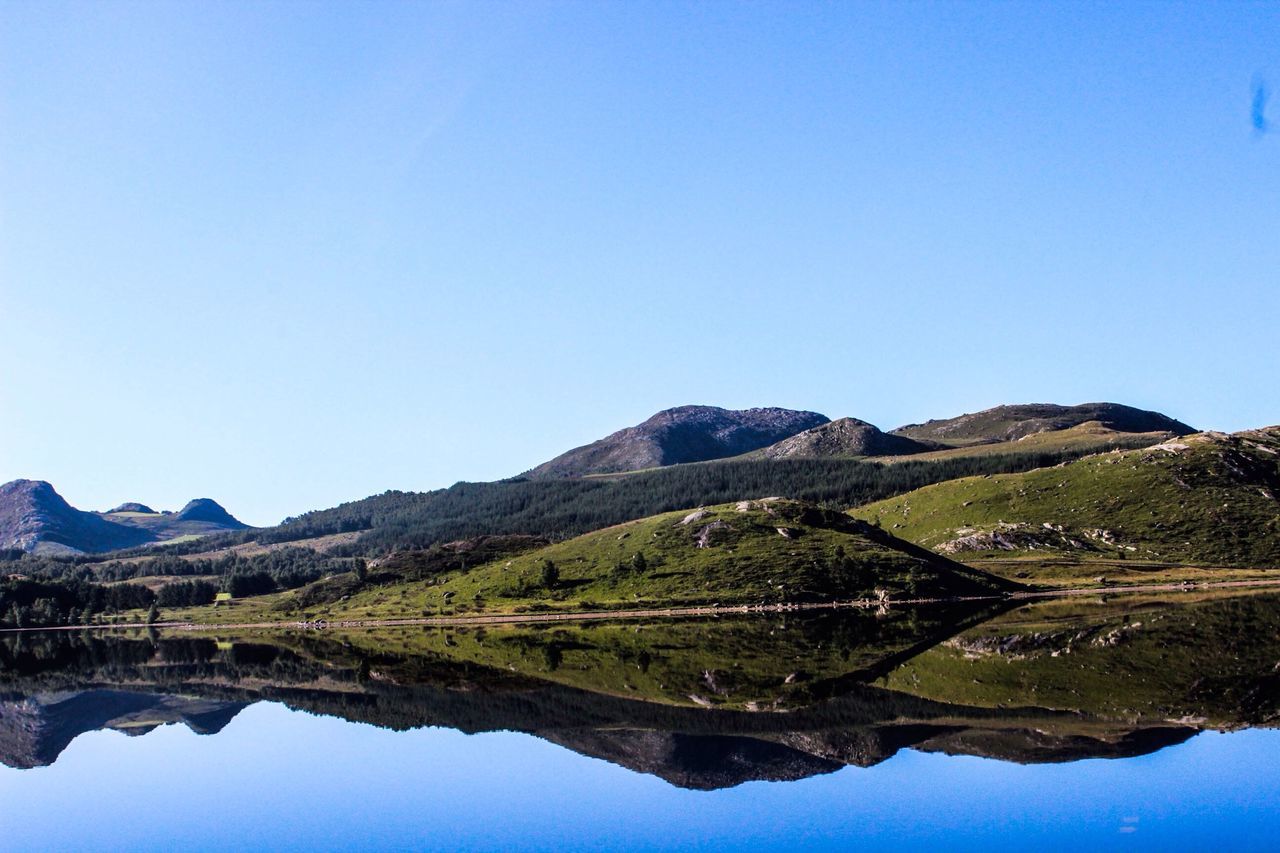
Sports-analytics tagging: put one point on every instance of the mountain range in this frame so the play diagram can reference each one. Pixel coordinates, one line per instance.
(705, 433)
(1096, 481)
(35, 519)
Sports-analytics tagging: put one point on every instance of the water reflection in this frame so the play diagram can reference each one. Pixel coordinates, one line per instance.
(701, 704)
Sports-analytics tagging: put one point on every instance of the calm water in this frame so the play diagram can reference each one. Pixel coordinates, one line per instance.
(1122, 724)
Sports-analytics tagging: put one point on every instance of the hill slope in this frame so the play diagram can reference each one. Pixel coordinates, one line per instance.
(674, 436)
(766, 551)
(1207, 499)
(843, 438)
(1010, 423)
(36, 519)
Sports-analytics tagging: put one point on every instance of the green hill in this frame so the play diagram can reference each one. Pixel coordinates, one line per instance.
(1010, 423)
(753, 552)
(1207, 499)
(1067, 443)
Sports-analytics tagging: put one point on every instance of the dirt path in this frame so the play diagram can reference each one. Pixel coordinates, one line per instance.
(659, 613)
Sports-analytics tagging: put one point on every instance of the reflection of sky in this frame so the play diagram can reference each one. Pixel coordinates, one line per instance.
(275, 778)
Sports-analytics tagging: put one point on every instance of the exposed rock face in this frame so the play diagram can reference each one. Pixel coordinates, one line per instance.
(1009, 423)
(36, 519)
(1031, 537)
(842, 438)
(684, 434)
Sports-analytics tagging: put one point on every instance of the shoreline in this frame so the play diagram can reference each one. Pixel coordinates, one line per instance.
(650, 612)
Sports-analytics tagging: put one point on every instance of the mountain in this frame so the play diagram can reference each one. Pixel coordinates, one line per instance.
(34, 730)
(846, 437)
(1010, 423)
(209, 511)
(674, 436)
(36, 519)
(1205, 499)
(132, 506)
(750, 552)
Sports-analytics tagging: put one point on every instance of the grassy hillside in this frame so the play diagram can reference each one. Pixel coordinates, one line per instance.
(1208, 499)
(752, 552)
(562, 508)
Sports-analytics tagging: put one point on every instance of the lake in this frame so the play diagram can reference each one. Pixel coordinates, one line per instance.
(1113, 722)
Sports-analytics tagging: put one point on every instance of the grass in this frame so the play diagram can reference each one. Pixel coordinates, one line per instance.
(1090, 437)
(753, 552)
(1208, 500)
(748, 553)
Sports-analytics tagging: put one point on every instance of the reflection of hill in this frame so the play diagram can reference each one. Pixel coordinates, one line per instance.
(619, 692)
(34, 730)
(1146, 659)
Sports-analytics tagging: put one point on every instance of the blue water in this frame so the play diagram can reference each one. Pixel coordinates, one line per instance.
(290, 780)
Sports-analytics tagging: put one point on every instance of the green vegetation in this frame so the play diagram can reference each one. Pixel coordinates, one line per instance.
(1072, 442)
(1017, 422)
(558, 509)
(753, 663)
(1142, 658)
(1205, 500)
(751, 552)
(1057, 680)
(35, 603)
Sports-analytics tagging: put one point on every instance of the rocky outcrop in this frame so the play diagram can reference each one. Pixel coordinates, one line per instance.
(845, 437)
(675, 436)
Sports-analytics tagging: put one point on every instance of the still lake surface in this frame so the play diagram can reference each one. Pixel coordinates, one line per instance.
(1125, 722)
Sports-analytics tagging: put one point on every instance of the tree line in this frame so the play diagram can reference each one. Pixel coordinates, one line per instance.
(417, 521)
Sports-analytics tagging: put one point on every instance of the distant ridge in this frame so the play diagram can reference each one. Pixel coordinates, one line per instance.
(679, 435)
(210, 511)
(1010, 423)
(36, 519)
(133, 507)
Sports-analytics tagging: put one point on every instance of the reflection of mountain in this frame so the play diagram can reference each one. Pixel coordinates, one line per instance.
(36, 729)
(1051, 682)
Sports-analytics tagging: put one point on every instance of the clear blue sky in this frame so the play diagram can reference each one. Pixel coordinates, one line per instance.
(287, 255)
